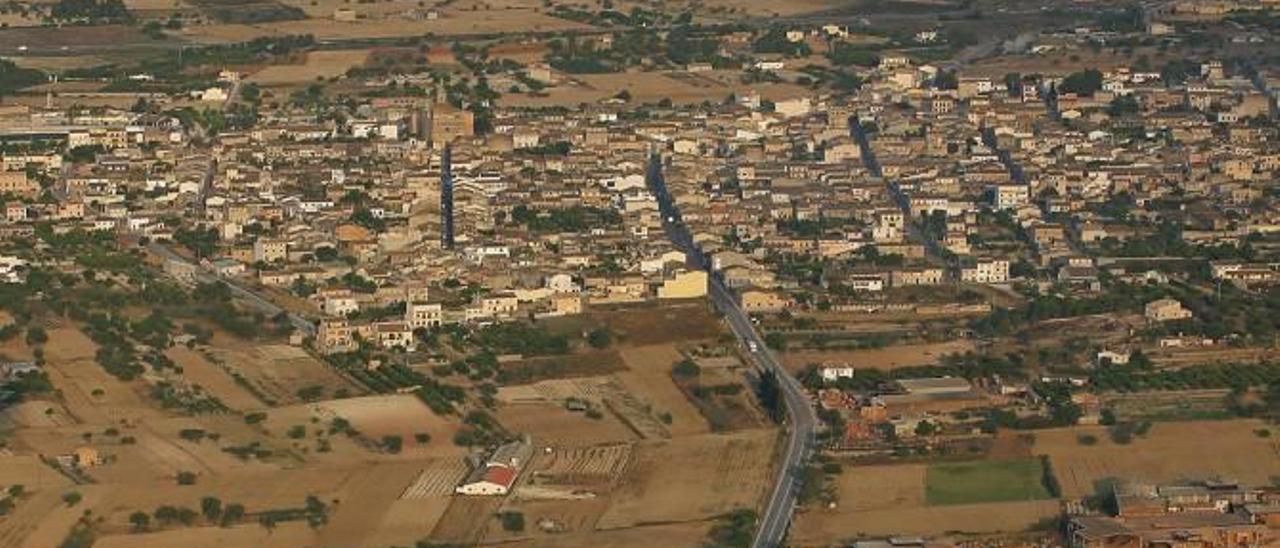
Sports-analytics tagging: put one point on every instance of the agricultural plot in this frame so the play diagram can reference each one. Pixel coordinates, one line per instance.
(600, 464)
(894, 500)
(318, 64)
(985, 481)
(886, 359)
(553, 424)
(200, 371)
(649, 379)
(278, 372)
(692, 478)
(1169, 452)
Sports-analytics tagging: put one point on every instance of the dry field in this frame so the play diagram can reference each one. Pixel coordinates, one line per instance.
(1169, 452)
(888, 500)
(692, 478)
(651, 87)
(83, 38)
(319, 64)
(373, 417)
(600, 464)
(552, 424)
(450, 23)
(277, 371)
(673, 534)
(200, 371)
(284, 535)
(649, 379)
(885, 359)
(90, 394)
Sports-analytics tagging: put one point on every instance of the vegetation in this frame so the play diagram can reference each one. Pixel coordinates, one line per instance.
(986, 481)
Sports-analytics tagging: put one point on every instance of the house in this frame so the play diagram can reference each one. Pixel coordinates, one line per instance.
(835, 372)
(987, 271)
(394, 335)
(1165, 310)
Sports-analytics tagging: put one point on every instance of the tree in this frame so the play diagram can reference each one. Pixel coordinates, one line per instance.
(600, 338)
(1123, 105)
(770, 395)
(776, 341)
(211, 508)
(1085, 82)
(392, 444)
(926, 428)
(36, 336)
(140, 520)
(72, 498)
(686, 369)
(512, 521)
(186, 478)
(233, 513)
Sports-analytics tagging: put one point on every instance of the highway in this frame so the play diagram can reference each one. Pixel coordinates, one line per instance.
(802, 421)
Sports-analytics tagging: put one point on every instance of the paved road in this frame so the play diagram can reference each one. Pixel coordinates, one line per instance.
(255, 300)
(802, 421)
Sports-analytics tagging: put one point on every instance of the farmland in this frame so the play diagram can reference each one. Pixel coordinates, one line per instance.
(909, 499)
(985, 481)
(1170, 452)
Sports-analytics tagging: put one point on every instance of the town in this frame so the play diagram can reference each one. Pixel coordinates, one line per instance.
(874, 273)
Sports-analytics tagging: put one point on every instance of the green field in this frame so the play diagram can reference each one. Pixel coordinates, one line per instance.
(985, 481)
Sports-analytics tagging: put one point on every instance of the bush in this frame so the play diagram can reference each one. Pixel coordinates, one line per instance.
(186, 478)
(1087, 439)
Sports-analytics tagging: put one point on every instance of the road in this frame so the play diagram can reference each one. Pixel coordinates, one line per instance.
(255, 300)
(899, 197)
(802, 421)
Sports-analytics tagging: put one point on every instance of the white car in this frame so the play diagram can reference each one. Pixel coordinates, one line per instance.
(752, 346)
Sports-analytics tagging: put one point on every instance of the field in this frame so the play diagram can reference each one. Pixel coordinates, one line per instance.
(277, 372)
(451, 23)
(894, 500)
(318, 64)
(985, 481)
(199, 370)
(887, 358)
(1170, 452)
(373, 417)
(692, 478)
(649, 379)
(650, 87)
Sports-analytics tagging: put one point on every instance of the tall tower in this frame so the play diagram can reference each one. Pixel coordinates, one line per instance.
(446, 198)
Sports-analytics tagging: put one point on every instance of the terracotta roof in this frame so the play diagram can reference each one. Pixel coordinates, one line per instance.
(500, 475)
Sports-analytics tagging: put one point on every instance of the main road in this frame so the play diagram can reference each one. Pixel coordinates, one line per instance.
(801, 419)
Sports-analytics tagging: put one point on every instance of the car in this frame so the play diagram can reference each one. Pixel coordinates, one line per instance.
(752, 346)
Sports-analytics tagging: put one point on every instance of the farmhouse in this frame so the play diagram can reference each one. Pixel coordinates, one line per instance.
(1165, 310)
(496, 475)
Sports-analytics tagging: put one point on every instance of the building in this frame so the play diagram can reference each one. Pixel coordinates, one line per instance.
(1206, 514)
(424, 315)
(1165, 310)
(449, 123)
(835, 372)
(496, 475)
(987, 271)
(684, 284)
(270, 251)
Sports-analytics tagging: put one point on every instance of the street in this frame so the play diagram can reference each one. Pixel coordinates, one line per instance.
(802, 421)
